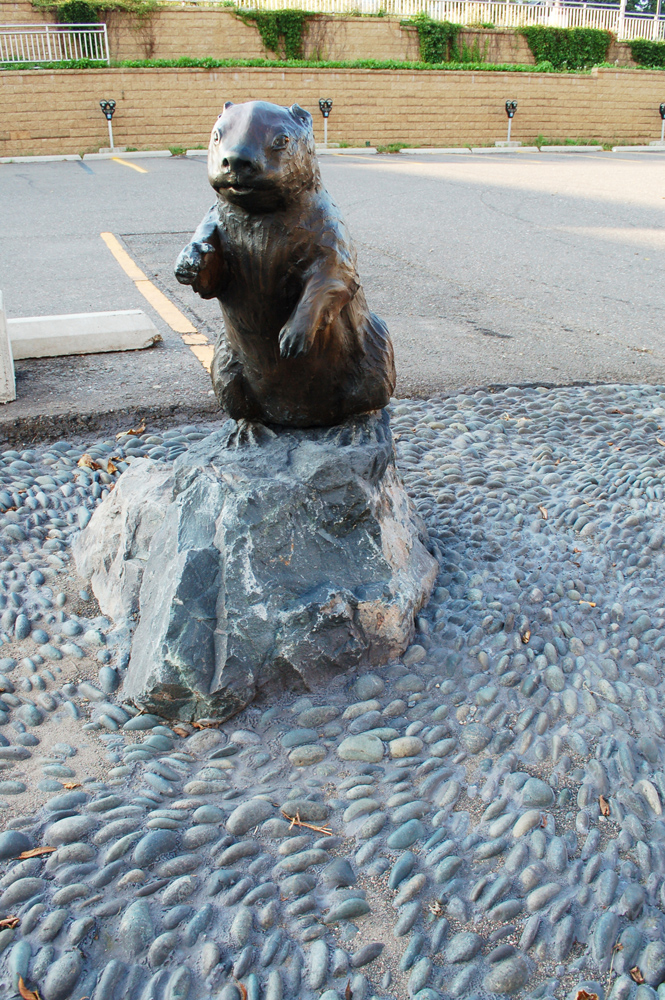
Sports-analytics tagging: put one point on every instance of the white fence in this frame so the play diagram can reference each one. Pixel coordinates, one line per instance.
(549, 13)
(45, 43)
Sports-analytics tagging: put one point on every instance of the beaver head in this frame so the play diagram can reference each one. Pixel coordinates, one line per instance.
(261, 156)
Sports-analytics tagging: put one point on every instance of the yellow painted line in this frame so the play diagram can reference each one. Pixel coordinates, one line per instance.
(159, 302)
(204, 354)
(126, 163)
(123, 258)
(197, 342)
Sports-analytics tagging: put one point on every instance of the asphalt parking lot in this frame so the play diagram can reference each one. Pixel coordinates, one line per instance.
(489, 270)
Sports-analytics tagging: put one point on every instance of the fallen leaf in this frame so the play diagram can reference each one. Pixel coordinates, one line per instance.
(10, 922)
(585, 995)
(111, 468)
(25, 992)
(207, 723)
(618, 946)
(348, 992)
(543, 511)
(243, 989)
(179, 731)
(435, 908)
(132, 430)
(71, 784)
(636, 975)
(36, 852)
(526, 636)
(604, 805)
(660, 442)
(590, 603)
(87, 462)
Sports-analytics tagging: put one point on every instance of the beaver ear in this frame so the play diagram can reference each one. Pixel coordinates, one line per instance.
(300, 113)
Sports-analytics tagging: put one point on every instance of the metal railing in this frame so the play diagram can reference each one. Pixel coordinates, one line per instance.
(497, 13)
(46, 43)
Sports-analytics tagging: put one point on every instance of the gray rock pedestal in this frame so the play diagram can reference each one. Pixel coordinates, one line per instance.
(266, 559)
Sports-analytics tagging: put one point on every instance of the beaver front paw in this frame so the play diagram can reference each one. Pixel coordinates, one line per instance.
(295, 340)
(192, 265)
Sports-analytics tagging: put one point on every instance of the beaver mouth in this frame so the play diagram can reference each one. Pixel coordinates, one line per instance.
(240, 188)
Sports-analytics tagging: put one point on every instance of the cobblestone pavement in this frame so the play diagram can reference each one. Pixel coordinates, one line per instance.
(481, 818)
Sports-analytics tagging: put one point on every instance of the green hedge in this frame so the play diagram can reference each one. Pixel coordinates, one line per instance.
(77, 12)
(648, 53)
(568, 48)
(186, 63)
(437, 39)
(281, 31)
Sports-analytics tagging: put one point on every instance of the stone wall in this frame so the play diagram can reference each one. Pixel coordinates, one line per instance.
(161, 108)
(198, 32)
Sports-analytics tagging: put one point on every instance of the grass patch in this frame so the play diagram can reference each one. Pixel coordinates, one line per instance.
(393, 147)
(541, 141)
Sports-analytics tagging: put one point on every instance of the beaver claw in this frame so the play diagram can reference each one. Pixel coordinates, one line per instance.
(294, 342)
(190, 262)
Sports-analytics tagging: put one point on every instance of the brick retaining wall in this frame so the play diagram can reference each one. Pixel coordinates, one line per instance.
(161, 108)
(198, 32)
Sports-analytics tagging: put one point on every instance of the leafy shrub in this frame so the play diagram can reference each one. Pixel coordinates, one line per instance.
(567, 48)
(648, 53)
(281, 31)
(438, 39)
(77, 12)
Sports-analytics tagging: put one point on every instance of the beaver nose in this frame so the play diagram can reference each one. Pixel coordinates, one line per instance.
(239, 162)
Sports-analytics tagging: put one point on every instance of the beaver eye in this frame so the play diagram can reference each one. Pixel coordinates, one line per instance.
(216, 136)
(280, 142)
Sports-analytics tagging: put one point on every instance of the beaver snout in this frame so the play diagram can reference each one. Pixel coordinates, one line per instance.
(240, 164)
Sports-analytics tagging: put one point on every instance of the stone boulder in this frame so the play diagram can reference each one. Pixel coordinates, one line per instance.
(277, 558)
(112, 551)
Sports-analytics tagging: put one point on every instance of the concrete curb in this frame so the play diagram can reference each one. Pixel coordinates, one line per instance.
(39, 159)
(138, 155)
(417, 151)
(638, 149)
(81, 333)
(51, 427)
(349, 151)
(504, 149)
(571, 149)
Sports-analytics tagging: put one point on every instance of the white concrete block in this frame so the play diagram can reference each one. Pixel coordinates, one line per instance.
(651, 148)
(417, 150)
(39, 159)
(503, 150)
(571, 149)
(350, 151)
(82, 333)
(7, 380)
(138, 154)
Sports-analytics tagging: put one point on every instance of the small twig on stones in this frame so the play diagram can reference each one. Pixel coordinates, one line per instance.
(296, 821)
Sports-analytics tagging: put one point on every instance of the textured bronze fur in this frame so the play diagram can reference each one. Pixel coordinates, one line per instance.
(300, 346)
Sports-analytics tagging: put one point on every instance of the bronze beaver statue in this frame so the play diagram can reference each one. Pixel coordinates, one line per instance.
(300, 345)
